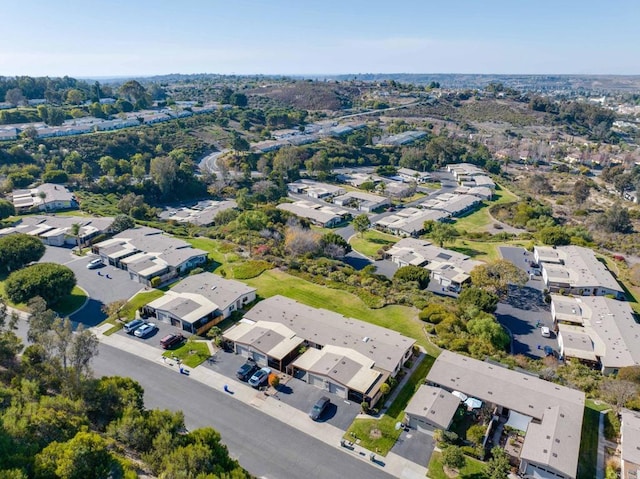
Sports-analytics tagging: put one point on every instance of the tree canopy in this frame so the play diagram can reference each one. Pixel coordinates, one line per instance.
(48, 280)
(18, 250)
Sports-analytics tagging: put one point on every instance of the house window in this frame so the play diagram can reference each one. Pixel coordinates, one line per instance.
(232, 307)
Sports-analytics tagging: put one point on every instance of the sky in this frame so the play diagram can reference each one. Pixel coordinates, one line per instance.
(306, 37)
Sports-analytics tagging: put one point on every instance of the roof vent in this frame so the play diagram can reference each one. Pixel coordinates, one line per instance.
(365, 339)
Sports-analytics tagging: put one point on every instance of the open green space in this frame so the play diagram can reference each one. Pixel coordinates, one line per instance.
(473, 468)
(482, 250)
(247, 269)
(371, 241)
(399, 318)
(588, 457)
(70, 303)
(139, 300)
(191, 353)
(480, 220)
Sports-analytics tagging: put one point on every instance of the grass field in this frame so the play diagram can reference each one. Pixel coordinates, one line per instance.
(399, 318)
(481, 250)
(372, 240)
(473, 468)
(480, 220)
(588, 458)
(71, 302)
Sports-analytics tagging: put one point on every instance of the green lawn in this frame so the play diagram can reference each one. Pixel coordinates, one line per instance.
(191, 353)
(71, 302)
(588, 458)
(372, 240)
(481, 250)
(479, 220)
(247, 269)
(473, 468)
(217, 251)
(139, 300)
(399, 318)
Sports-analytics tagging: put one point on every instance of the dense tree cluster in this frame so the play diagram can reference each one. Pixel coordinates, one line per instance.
(18, 250)
(48, 280)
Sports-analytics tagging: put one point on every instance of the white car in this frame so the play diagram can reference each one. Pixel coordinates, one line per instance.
(145, 330)
(95, 263)
(546, 332)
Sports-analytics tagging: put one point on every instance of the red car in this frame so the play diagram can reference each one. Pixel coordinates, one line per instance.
(171, 340)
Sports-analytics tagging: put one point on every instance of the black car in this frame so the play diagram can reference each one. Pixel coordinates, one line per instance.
(247, 370)
(319, 407)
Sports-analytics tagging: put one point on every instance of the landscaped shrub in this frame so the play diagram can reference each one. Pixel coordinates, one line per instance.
(48, 280)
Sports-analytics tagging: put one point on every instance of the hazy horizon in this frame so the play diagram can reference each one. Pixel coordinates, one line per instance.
(252, 37)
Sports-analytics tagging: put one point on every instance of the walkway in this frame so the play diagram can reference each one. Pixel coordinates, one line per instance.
(392, 463)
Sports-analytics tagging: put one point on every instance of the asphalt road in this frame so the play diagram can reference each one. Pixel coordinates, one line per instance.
(100, 289)
(264, 446)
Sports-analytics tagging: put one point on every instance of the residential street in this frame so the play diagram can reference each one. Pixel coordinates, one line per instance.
(263, 445)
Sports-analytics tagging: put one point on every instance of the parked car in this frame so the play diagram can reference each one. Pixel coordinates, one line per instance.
(131, 326)
(546, 332)
(319, 407)
(260, 377)
(95, 263)
(247, 370)
(145, 330)
(171, 340)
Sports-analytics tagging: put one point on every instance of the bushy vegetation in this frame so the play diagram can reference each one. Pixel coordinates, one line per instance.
(48, 280)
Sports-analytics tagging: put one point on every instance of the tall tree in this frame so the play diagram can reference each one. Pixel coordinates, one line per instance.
(497, 276)
(361, 223)
(442, 233)
(163, 170)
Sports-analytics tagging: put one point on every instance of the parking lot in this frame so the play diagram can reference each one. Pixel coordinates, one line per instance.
(524, 311)
(101, 290)
(295, 393)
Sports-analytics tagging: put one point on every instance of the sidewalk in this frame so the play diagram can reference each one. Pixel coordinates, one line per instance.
(391, 463)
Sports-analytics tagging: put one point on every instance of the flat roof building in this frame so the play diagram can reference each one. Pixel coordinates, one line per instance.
(46, 197)
(362, 201)
(200, 301)
(630, 443)
(552, 439)
(409, 221)
(349, 357)
(315, 189)
(147, 252)
(576, 270)
(326, 216)
(598, 330)
(431, 408)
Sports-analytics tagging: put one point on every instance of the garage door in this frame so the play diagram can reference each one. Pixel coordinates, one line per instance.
(316, 381)
(424, 427)
(339, 391)
(260, 359)
(242, 350)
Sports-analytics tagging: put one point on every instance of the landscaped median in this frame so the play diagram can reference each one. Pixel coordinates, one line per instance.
(380, 434)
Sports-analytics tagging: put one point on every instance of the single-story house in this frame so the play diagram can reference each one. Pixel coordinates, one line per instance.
(630, 444)
(450, 268)
(362, 201)
(409, 175)
(326, 216)
(576, 270)
(597, 330)
(200, 301)
(315, 189)
(275, 331)
(147, 253)
(409, 221)
(46, 197)
(551, 415)
(431, 408)
(56, 230)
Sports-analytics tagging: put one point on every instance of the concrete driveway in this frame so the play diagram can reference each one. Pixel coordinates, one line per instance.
(295, 393)
(100, 289)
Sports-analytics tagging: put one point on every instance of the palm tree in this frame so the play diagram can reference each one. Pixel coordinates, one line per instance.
(43, 196)
(75, 231)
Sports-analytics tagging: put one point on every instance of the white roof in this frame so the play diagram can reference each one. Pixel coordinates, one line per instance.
(630, 435)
